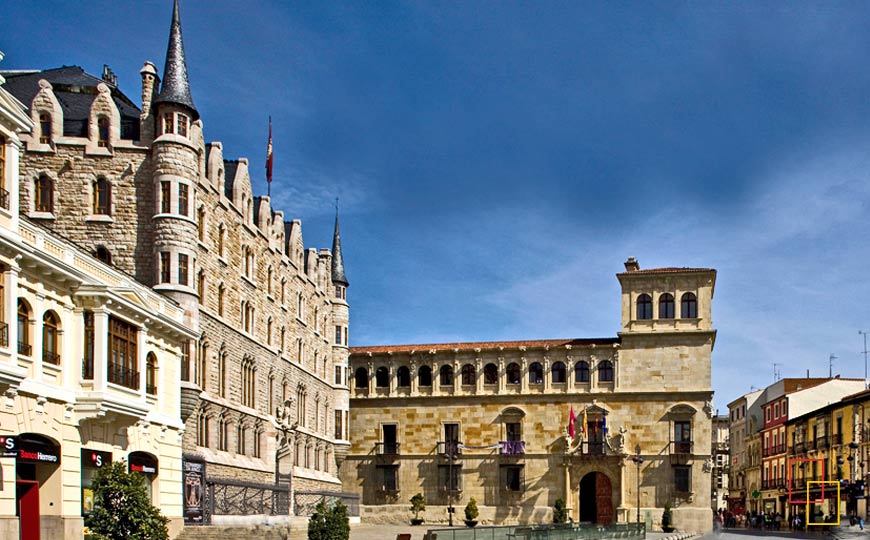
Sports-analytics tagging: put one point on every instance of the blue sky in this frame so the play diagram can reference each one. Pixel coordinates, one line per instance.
(498, 161)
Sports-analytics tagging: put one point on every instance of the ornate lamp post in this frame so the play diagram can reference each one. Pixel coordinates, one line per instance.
(638, 460)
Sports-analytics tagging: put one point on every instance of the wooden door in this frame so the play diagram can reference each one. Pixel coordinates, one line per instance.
(603, 500)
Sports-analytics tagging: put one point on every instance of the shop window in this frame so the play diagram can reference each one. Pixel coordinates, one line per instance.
(91, 462)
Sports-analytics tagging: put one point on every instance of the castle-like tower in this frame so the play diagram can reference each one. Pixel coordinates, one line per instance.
(264, 394)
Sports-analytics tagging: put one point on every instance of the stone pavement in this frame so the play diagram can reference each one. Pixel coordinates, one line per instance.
(379, 531)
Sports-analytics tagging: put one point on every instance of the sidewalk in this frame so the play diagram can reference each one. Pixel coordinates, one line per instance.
(376, 531)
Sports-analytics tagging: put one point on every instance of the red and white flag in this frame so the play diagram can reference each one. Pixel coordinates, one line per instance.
(571, 419)
(269, 155)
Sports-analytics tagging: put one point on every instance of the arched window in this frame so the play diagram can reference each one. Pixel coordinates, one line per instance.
(102, 197)
(605, 371)
(50, 338)
(249, 382)
(361, 378)
(666, 306)
(202, 429)
(468, 375)
(382, 377)
(222, 434)
(403, 377)
(44, 128)
(103, 254)
(202, 362)
(241, 438)
(689, 306)
(581, 372)
(644, 306)
(490, 374)
(103, 131)
(424, 376)
(200, 285)
(222, 374)
(44, 194)
(558, 372)
(513, 373)
(24, 346)
(445, 375)
(536, 373)
(200, 223)
(151, 374)
(222, 235)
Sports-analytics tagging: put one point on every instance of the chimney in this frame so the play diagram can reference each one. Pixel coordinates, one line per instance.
(109, 75)
(150, 81)
(631, 265)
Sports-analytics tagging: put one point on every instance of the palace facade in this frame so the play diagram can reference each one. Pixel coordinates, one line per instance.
(489, 420)
(263, 372)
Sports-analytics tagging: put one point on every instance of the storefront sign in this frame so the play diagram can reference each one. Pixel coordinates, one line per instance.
(29, 447)
(92, 461)
(141, 462)
(95, 459)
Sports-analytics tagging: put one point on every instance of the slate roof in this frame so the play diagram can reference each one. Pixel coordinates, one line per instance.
(485, 345)
(75, 91)
(338, 275)
(176, 85)
(230, 168)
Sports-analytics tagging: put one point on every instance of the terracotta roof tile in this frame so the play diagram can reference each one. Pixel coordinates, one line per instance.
(668, 270)
(465, 346)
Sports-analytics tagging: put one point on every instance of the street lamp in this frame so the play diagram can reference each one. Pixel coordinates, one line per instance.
(638, 460)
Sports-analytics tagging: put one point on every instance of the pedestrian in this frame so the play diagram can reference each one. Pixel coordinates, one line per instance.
(861, 522)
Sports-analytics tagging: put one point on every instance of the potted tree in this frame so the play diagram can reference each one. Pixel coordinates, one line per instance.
(667, 519)
(471, 513)
(418, 504)
(560, 512)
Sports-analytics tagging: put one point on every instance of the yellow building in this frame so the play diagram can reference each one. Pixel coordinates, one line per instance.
(490, 420)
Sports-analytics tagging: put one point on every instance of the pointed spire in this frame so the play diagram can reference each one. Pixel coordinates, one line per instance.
(338, 275)
(176, 86)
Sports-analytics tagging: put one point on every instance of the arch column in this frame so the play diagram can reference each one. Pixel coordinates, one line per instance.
(569, 372)
(501, 376)
(478, 375)
(524, 375)
(548, 375)
(414, 381)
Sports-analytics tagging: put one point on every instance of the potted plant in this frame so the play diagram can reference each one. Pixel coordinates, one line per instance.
(667, 519)
(471, 513)
(418, 504)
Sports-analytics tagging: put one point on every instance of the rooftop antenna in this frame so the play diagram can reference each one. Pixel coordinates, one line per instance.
(831, 366)
(776, 373)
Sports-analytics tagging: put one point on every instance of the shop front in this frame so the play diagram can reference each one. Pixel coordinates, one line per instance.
(146, 465)
(37, 479)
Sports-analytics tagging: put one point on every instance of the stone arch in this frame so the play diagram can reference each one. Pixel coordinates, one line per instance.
(595, 502)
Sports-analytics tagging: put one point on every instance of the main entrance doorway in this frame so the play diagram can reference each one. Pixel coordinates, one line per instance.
(596, 499)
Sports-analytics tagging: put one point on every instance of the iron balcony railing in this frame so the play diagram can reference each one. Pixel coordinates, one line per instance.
(681, 447)
(798, 448)
(50, 357)
(593, 448)
(513, 448)
(821, 442)
(836, 438)
(124, 376)
(4, 334)
(87, 368)
(25, 348)
(449, 448)
(4, 198)
(387, 448)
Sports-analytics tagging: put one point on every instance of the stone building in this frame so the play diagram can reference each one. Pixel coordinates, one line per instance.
(89, 364)
(490, 420)
(721, 467)
(263, 384)
(740, 425)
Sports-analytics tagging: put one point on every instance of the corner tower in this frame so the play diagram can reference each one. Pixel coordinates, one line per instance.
(176, 166)
(340, 352)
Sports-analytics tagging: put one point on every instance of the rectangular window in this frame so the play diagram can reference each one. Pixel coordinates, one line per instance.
(338, 430)
(123, 358)
(512, 477)
(168, 126)
(389, 478)
(776, 411)
(165, 276)
(183, 200)
(345, 335)
(165, 196)
(338, 335)
(182, 269)
(682, 478)
(185, 361)
(683, 437)
(182, 125)
(337, 375)
(88, 360)
(449, 477)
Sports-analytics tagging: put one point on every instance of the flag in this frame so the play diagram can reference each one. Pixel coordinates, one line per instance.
(571, 419)
(269, 156)
(583, 426)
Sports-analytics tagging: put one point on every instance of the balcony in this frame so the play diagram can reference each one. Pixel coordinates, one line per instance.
(123, 376)
(449, 448)
(4, 199)
(50, 357)
(821, 442)
(798, 448)
(680, 448)
(388, 449)
(836, 439)
(513, 448)
(25, 348)
(4, 334)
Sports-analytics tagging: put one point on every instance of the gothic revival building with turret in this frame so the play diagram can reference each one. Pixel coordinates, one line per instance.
(264, 397)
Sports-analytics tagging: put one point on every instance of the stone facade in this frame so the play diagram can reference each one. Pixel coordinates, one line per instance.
(493, 421)
(265, 379)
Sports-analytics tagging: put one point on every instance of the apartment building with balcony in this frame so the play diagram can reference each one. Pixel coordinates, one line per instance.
(493, 420)
(739, 452)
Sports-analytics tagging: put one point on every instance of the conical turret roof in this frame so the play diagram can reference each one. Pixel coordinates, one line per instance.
(338, 275)
(176, 86)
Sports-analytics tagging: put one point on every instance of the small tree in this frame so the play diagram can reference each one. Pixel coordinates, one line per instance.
(338, 523)
(317, 522)
(560, 511)
(122, 508)
(471, 511)
(418, 504)
(667, 519)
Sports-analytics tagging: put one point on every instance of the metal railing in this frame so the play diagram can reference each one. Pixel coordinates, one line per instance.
(681, 447)
(25, 348)
(593, 448)
(306, 501)
(87, 368)
(235, 498)
(4, 198)
(513, 448)
(449, 448)
(124, 376)
(567, 531)
(387, 448)
(50, 357)
(821, 442)
(798, 448)
(837, 438)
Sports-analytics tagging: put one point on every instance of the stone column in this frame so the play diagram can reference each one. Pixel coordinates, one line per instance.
(593, 372)
(478, 374)
(371, 368)
(548, 376)
(101, 348)
(569, 372)
(414, 377)
(10, 310)
(502, 375)
(524, 375)
(392, 379)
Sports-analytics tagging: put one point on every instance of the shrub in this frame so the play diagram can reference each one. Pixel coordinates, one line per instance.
(471, 511)
(329, 523)
(560, 511)
(122, 508)
(667, 519)
(418, 504)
